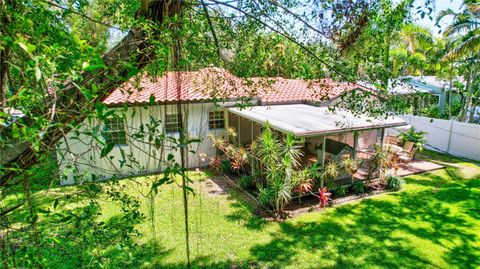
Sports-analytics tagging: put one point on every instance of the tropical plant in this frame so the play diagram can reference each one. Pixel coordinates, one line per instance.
(303, 182)
(394, 183)
(416, 137)
(246, 182)
(324, 196)
(215, 163)
(377, 163)
(339, 191)
(350, 166)
(276, 195)
(464, 37)
(278, 160)
(331, 171)
(358, 187)
(226, 167)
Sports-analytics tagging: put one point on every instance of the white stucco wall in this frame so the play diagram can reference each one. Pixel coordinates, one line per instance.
(82, 152)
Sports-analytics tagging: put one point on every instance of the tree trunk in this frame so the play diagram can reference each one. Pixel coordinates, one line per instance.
(71, 103)
(470, 103)
(463, 112)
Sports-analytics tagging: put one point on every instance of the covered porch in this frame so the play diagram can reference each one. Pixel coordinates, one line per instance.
(325, 135)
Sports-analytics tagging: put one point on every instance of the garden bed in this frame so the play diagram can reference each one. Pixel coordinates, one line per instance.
(303, 204)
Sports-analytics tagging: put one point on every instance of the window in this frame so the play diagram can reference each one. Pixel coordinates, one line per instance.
(216, 120)
(171, 123)
(114, 132)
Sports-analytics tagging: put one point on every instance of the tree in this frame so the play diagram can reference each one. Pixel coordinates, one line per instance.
(464, 35)
(55, 65)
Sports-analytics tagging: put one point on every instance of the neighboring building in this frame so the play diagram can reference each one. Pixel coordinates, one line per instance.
(436, 88)
(151, 104)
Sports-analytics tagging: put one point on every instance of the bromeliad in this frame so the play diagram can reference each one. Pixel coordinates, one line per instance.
(324, 196)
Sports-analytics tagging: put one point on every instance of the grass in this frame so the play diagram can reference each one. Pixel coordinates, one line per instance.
(432, 223)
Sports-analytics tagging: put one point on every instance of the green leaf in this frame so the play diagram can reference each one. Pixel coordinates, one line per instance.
(93, 67)
(43, 211)
(107, 149)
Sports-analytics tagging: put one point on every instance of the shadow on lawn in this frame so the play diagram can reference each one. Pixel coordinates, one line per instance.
(246, 211)
(380, 233)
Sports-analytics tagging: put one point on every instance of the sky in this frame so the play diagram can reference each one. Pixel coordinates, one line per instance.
(440, 5)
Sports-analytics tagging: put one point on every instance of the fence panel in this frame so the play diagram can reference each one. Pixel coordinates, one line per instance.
(456, 138)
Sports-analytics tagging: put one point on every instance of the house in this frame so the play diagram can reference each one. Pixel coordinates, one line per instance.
(211, 100)
(436, 91)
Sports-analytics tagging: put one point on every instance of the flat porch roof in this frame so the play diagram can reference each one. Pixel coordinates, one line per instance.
(307, 120)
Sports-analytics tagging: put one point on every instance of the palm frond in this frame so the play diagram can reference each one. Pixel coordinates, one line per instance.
(470, 45)
(459, 26)
(445, 13)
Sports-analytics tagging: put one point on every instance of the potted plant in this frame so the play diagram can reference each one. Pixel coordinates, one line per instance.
(416, 137)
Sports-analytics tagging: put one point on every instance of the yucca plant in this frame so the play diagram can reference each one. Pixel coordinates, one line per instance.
(278, 160)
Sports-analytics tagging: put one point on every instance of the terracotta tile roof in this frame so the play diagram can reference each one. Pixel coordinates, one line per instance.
(210, 83)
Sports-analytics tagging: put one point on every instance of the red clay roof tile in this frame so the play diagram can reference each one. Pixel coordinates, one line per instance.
(215, 83)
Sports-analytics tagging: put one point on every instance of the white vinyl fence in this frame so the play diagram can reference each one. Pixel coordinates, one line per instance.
(457, 138)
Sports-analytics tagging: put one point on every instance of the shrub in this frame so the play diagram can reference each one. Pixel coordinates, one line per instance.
(394, 183)
(245, 182)
(275, 196)
(226, 167)
(266, 197)
(416, 137)
(358, 187)
(339, 191)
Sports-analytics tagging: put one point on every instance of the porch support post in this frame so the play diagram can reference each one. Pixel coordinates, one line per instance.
(382, 136)
(227, 123)
(251, 127)
(253, 160)
(355, 145)
(238, 129)
(323, 151)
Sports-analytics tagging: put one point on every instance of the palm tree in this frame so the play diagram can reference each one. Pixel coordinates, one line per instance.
(464, 36)
(413, 43)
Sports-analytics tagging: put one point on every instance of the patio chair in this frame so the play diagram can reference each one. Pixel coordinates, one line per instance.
(392, 140)
(406, 157)
(407, 148)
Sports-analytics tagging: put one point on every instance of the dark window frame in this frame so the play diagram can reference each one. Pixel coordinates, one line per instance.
(216, 119)
(171, 122)
(115, 132)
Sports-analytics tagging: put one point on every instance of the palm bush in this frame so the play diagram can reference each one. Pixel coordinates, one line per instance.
(416, 137)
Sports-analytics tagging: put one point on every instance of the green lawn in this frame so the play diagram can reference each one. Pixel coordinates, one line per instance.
(433, 222)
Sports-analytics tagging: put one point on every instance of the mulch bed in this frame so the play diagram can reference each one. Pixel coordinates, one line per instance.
(296, 207)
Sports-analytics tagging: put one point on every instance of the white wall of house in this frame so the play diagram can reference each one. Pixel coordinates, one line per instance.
(81, 151)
